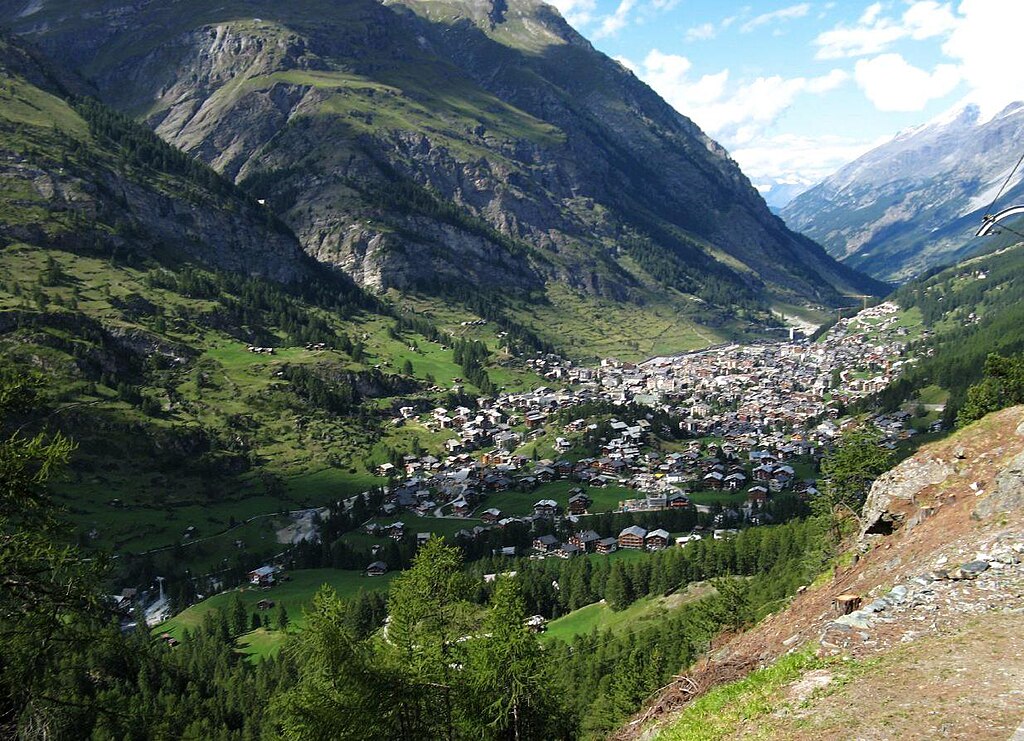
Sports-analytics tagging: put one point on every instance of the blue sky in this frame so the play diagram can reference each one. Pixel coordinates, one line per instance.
(796, 89)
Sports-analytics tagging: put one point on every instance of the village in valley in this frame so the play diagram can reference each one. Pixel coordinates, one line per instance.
(718, 432)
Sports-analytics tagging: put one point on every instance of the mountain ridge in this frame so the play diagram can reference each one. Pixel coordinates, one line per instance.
(916, 201)
(501, 115)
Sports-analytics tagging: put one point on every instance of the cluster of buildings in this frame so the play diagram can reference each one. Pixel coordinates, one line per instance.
(766, 405)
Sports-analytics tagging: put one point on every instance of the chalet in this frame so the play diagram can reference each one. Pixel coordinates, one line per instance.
(377, 568)
(585, 540)
(735, 480)
(632, 537)
(263, 576)
(545, 544)
(422, 538)
(265, 604)
(656, 540)
(757, 494)
(544, 473)
(395, 531)
(461, 508)
(677, 501)
(546, 508)
(607, 545)
(490, 516)
(713, 480)
(579, 503)
(568, 550)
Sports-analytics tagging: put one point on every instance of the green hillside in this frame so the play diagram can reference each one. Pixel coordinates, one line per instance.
(966, 311)
(138, 281)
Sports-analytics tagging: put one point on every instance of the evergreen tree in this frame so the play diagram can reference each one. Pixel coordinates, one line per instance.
(618, 592)
(282, 616)
(518, 701)
(238, 615)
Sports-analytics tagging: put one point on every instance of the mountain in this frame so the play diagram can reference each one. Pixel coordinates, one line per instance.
(968, 310)
(206, 366)
(778, 193)
(916, 201)
(449, 147)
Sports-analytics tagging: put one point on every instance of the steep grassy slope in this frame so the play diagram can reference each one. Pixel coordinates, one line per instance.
(137, 280)
(934, 651)
(451, 147)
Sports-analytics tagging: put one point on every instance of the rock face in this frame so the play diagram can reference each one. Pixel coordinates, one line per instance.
(894, 491)
(94, 193)
(984, 461)
(423, 143)
(916, 201)
(1007, 493)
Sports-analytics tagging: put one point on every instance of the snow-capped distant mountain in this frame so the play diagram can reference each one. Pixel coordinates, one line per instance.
(917, 200)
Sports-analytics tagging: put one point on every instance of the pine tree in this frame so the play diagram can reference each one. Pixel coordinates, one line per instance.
(282, 616)
(238, 615)
(618, 592)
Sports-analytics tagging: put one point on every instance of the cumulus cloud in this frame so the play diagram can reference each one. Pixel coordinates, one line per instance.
(874, 33)
(981, 44)
(577, 12)
(733, 113)
(612, 24)
(775, 16)
(792, 159)
(891, 83)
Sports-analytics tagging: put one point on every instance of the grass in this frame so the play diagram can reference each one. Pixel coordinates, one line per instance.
(606, 499)
(599, 616)
(590, 327)
(296, 595)
(727, 709)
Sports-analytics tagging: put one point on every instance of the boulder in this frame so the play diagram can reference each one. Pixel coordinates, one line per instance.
(1006, 493)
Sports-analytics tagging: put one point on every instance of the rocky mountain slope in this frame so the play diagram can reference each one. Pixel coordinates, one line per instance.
(63, 161)
(916, 201)
(446, 146)
(934, 648)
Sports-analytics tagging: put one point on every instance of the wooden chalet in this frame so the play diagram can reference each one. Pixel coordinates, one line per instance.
(632, 537)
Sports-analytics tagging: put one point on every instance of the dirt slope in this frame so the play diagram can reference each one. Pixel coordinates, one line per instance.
(937, 648)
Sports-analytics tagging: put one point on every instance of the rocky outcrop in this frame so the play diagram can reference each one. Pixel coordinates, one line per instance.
(894, 493)
(1007, 491)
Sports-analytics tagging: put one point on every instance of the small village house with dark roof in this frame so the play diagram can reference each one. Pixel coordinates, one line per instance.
(545, 543)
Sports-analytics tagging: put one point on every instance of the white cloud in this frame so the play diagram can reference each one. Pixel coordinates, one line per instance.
(791, 159)
(875, 33)
(735, 114)
(577, 12)
(782, 14)
(831, 81)
(612, 24)
(982, 44)
(702, 32)
(893, 84)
